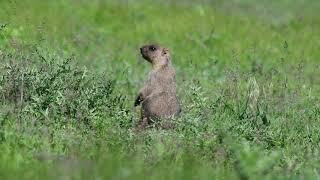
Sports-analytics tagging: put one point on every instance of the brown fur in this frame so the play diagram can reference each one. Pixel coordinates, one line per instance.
(158, 97)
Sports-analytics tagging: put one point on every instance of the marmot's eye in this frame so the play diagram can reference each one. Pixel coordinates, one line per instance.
(152, 48)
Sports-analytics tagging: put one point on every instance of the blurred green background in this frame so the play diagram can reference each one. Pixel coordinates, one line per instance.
(248, 78)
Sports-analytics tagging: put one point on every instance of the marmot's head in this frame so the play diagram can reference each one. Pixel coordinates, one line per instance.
(155, 54)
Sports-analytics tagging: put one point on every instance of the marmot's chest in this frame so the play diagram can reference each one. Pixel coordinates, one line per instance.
(160, 79)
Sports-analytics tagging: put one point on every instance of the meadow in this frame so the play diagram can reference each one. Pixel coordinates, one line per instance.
(248, 77)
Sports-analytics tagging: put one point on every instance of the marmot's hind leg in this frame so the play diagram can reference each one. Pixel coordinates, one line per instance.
(143, 124)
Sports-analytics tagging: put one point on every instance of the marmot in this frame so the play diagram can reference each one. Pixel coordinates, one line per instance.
(158, 97)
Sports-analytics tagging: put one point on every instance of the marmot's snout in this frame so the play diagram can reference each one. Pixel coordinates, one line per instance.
(145, 52)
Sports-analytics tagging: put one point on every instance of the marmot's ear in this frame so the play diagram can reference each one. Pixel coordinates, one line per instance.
(165, 51)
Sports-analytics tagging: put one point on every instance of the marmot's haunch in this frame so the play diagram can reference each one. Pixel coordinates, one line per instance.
(158, 97)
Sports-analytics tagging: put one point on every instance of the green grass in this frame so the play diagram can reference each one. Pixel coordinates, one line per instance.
(248, 77)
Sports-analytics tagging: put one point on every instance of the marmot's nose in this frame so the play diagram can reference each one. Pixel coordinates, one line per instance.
(141, 49)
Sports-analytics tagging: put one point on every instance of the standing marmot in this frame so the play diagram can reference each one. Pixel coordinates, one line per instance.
(158, 96)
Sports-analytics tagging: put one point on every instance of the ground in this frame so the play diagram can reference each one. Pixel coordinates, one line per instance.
(248, 77)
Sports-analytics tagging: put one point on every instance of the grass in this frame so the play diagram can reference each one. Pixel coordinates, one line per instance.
(247, 72)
